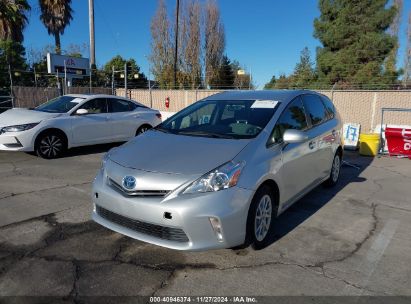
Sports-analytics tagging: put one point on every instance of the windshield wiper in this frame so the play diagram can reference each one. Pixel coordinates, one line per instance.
(206, 134)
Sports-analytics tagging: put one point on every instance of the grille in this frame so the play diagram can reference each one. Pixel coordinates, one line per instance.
(140, 193)
(165, 233)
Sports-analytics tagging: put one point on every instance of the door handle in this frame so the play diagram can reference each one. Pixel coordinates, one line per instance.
(311, 145)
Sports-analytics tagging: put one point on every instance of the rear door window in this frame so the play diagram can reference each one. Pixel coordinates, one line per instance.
(120, 105)
(329, 106)
(315, 109)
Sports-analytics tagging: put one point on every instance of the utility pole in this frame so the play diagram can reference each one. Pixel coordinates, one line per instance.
(35, 76)
(65, 78)
(91, 26)
(112, 80)
(125, 79)
(176, 44)
(11, 87)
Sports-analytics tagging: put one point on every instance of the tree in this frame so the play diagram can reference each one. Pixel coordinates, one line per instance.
(355, 42)
(304, 74)
(226, 75)
(133, 81)
(56, 15)
(407, 57)
(11, 54)
(161, 47)
(390, 62)
(13, 19)
(271, 84)
(191, 43)
(283, 82)
(214, 43)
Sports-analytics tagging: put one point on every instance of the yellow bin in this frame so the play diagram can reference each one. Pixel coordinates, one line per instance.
(369, 144)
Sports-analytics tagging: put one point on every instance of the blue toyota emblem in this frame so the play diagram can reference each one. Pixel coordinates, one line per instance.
(129, 182)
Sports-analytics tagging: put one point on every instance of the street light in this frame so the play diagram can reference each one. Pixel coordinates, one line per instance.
(17, 74)
(121, 75)
(136, 76)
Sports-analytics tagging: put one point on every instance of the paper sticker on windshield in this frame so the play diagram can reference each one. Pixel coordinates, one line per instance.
(264, 104)
(77, 100)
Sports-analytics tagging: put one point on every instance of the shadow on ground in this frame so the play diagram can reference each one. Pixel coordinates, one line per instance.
(86, 150)
(302, 210)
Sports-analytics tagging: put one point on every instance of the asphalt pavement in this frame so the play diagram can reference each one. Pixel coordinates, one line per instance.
(351, 240)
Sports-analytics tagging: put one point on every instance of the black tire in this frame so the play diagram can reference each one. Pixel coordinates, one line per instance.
(335, 171)
(142, 129)
(258, 236)
(50, 145)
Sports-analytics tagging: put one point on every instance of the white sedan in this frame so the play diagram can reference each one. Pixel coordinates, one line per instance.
(74, 120)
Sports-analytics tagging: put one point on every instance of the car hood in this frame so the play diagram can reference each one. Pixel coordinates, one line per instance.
(155, 151)
(23, 116)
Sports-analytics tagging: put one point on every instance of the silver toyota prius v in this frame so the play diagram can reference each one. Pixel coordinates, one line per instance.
(218, 173)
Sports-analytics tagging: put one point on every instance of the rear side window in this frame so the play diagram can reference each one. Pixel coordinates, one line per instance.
(293, 117)
(315, 109)
(121, 105)
(329, 106)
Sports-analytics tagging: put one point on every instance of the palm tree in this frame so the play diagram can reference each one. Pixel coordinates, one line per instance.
(13, 19)
(56, 15)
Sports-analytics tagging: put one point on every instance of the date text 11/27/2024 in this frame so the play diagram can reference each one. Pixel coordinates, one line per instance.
(203, 299)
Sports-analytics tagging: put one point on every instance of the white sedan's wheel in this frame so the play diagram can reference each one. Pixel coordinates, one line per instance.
(142, 129)
(50, 146)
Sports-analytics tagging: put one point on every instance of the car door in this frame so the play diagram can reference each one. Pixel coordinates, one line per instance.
(123, 117)
(91, 128)
(320, 134)
(296, 167)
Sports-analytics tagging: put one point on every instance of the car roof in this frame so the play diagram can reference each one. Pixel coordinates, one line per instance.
(279, 95)
(90, 96)
(95, 96)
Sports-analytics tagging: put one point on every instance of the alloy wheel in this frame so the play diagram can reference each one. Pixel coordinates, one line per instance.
(51, 146)
(336, 169)
(263, 218)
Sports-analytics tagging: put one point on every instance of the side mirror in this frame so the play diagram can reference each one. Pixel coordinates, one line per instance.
(292, 136)
(81, 112)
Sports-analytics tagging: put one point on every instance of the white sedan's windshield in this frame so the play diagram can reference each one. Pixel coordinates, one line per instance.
(61, 104)
(222, 119)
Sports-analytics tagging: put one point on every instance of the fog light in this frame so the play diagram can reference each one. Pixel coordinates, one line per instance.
(216, 224)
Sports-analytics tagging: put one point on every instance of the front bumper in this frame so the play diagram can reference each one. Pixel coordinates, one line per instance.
(18, 141)
(189, 213)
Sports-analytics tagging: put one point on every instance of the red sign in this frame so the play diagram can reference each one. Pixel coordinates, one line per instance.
(398, 141)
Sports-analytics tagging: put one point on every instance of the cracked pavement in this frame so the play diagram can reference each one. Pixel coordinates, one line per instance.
(351, 240)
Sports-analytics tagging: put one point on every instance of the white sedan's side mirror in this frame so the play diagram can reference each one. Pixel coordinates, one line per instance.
(81, 112)
(292, 136)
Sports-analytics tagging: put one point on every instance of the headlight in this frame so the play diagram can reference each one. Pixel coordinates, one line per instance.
(223, 177)
(19, 128)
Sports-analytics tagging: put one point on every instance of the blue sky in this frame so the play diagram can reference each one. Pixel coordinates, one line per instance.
(266, 36)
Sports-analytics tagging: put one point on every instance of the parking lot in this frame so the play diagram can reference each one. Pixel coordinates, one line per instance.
(350, 240)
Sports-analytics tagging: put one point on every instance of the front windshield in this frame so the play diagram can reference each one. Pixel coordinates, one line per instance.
(222, 119)
(61, 104)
